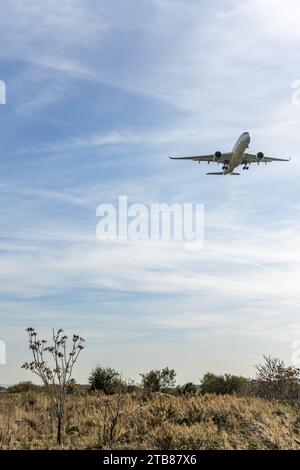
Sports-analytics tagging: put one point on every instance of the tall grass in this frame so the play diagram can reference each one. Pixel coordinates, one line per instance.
(95, 421)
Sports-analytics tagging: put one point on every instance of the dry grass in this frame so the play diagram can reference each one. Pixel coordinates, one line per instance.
(161, 422)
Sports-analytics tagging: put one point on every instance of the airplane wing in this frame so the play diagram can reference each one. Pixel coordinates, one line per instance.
(199, 158)
(251, 158)
(205, 158)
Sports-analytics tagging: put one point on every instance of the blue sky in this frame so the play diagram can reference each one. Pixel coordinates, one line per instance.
(98, 94)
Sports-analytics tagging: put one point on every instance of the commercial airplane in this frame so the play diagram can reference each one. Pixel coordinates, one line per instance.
(231, 160)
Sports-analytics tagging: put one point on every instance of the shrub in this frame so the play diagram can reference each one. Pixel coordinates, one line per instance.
(212, 383)
(158, 380)
(188, 389)
(132, 388)
(223, 384)
(276, 381)
(23, 387)
(56, 372)
(73, 388)
(236, 384)
(106, 380)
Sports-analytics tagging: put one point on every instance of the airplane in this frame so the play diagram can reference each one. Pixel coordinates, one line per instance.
(231, 160)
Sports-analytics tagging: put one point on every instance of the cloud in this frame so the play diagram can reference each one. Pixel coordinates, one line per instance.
(194, 77)
(265, 267)
(30, 27)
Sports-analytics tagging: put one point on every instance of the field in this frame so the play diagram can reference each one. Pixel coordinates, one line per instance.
(162, 421)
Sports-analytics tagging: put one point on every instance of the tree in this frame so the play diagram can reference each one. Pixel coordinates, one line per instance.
(157, 380)
(212, 383)
(276, 381)
(188, 389)
(223, 384)
(58, 376)
(167, 378)
(235, 384)
(106, 380)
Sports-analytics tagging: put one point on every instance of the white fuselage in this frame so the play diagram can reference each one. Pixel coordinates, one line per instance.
(238, 151)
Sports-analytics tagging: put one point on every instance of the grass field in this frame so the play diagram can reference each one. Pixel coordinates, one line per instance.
(159, 422)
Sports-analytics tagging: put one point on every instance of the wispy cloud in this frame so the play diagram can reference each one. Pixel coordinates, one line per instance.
(139, 81)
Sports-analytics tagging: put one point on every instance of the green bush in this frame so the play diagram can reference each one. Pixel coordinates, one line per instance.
(22, 387)
(236, 384)
(159, 380)
(106, 380)
(188, 389)
(223, 384)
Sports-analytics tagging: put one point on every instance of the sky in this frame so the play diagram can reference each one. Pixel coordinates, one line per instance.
(99, 93)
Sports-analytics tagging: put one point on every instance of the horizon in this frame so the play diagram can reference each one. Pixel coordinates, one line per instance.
(97, 96)
(134, 381)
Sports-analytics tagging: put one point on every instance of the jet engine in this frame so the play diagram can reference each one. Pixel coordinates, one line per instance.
(259, 157)
(217, 157)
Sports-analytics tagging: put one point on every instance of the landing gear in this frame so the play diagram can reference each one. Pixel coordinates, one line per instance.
(246, 167)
